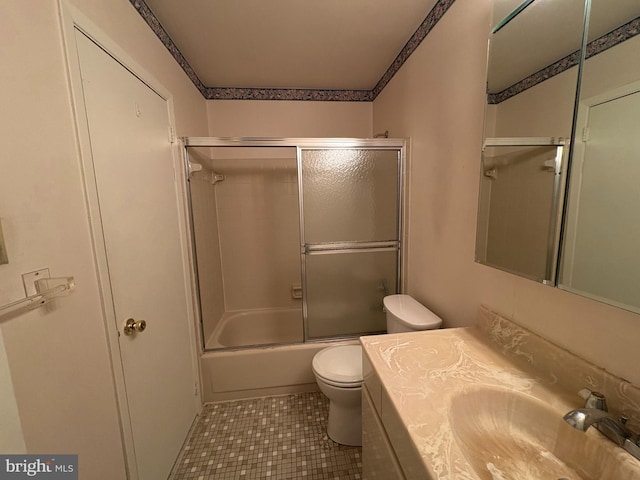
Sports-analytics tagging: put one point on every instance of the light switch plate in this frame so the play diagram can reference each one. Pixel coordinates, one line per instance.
(4, 257)
(29, 280)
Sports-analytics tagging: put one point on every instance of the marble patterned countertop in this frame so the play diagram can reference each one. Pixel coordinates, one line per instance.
(413, 378)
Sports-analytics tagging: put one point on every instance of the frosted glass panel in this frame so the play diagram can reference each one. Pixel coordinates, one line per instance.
(344, 292)
(350, 195)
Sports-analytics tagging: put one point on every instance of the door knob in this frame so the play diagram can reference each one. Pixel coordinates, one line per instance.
(132, 326)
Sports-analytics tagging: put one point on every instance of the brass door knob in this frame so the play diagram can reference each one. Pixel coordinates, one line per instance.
(132, 326)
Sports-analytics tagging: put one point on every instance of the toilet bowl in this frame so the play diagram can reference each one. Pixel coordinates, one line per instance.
(338, 372)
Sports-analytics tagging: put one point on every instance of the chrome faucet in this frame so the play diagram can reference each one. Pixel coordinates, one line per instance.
(614, 429)
(595, 413)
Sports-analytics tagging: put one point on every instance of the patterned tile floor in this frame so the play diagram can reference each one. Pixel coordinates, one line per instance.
(277, 438)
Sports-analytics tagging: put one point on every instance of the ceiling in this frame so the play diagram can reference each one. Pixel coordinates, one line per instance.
(347, 50)
(291, 44)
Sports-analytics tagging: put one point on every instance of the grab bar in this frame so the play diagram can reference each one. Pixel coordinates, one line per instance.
(48, 289)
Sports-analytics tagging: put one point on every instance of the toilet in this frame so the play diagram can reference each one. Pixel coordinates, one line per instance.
(338, 370)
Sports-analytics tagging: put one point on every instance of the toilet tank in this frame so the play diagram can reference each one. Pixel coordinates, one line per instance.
(405, 314)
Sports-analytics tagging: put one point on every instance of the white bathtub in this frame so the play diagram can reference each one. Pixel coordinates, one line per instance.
(263, 326)
(259, 372)
(265, 368)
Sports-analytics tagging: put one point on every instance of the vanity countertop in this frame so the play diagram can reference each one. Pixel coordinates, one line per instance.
(413, 377)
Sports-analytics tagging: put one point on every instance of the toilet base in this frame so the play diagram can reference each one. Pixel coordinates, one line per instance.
(342, 385)
(345, 414)
(345, 424)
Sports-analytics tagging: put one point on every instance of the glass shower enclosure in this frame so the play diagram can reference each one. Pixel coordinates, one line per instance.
(350, 205)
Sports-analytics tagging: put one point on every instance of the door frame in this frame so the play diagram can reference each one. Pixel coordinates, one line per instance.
(70, 19)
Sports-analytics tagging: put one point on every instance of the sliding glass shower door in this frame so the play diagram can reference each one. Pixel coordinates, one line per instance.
(350, 237)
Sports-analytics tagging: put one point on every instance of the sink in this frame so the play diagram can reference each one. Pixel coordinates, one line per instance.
(506, 435)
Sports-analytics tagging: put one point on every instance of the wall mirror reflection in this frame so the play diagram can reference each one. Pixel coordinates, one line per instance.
(528, 123)
(521, 189)
(602, 228)
(533, 43)
(541, 83)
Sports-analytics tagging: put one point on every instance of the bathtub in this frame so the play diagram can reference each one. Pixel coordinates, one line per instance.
(262, 326)
(277, 363)
(260, 371)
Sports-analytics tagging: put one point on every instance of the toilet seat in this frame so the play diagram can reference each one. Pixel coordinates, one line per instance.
(340, 366)
(333, 383)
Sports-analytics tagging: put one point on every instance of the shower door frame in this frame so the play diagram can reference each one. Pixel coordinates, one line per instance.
(300, 144)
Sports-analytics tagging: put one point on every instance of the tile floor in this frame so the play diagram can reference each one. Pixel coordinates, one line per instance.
(277, 438)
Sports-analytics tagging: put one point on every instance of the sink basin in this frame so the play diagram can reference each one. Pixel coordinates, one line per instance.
(506, 435)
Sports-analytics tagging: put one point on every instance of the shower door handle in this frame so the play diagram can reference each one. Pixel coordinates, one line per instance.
(132, 326)
(349, 247)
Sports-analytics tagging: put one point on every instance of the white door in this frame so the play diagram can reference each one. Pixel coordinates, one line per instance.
(606, 262)
(136, 190)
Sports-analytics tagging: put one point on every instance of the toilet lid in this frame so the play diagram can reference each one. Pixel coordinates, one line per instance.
(411, 313)
(341, 364)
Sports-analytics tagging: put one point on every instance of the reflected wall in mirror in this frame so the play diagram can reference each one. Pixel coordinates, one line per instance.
(542, 42)
(600, 256)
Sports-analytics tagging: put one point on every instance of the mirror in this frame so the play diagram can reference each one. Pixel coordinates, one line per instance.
(532, 80)
(537, 90)
(600, 256)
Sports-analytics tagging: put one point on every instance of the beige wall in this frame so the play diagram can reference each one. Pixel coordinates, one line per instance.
(437, 99)
(255, 118)
(259, 233)
(59, 358)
